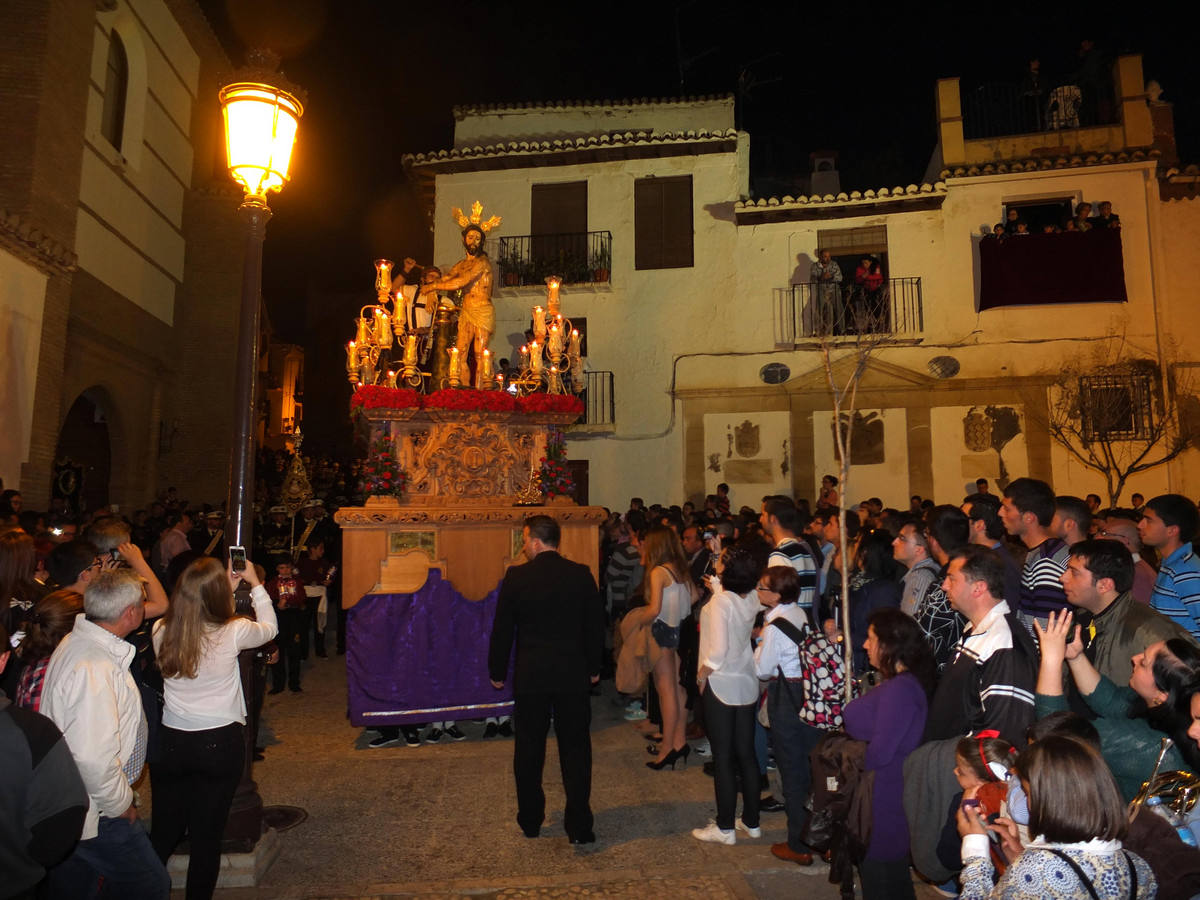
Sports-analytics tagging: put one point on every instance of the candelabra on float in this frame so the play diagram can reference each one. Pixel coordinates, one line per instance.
(544, 361)
(377, 323)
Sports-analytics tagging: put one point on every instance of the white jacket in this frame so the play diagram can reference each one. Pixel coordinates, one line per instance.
(91, 697)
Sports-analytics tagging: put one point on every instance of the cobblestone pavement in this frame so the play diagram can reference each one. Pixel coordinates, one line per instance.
(439, 820)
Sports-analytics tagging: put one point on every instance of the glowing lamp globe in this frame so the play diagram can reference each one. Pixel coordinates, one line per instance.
(260, 131)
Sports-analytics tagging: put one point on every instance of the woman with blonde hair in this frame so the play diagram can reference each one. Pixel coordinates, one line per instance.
(202, 743)
(50, 620)
(669, 597)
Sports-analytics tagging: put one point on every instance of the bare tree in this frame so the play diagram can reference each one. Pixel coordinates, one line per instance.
(1121, 419)
(845, 359)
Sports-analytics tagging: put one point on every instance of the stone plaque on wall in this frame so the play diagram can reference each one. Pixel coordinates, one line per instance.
(750, 471)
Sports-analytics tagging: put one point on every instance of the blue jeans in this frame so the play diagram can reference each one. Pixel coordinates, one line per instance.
(120, 854)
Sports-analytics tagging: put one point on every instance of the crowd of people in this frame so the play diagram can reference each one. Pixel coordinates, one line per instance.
(119, 649)
(1014, 225)
(1022, 665)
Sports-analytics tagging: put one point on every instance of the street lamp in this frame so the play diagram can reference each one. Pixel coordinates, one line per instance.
(261, 111)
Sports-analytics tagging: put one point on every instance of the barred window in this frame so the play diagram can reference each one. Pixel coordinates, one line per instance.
(1116, 406)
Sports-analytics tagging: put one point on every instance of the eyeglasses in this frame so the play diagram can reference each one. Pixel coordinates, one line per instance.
(765, 589)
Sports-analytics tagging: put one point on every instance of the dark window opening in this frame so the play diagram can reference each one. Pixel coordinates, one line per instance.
(662, 223)
(116, 86)
(1040, 213)
(1116, 406)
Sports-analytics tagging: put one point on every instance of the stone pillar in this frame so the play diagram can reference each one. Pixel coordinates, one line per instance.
(950, 123)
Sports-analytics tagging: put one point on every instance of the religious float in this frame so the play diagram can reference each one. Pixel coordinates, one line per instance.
(453, 472)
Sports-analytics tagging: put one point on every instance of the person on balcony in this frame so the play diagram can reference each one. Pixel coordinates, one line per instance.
(827, 275)
(1106, 218)
(868, 308)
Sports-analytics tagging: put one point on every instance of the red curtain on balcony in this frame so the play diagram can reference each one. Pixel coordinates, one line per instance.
(1036, 269)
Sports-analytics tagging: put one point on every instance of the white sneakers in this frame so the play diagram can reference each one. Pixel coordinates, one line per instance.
(714, 835)
(741, 826)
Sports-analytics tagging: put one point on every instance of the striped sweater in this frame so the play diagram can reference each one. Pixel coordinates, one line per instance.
(1041, 590)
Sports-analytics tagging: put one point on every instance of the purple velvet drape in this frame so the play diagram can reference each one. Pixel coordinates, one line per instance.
(1038, 269)
(422, 657)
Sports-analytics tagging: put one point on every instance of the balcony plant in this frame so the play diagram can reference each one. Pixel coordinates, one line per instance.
(511, 265)
(601, 262)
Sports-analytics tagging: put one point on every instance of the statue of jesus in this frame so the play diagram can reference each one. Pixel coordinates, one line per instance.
(473, 274)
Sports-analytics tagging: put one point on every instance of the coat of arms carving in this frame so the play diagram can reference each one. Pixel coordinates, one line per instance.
(745, 439)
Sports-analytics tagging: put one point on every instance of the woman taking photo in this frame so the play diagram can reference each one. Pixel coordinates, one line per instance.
(669, 596)
(202, 742)
(729, 689)
(1076, 811)
(891, 719)
(1131, 720)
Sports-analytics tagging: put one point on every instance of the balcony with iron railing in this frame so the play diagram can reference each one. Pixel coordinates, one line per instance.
(813, 311)
(583, 258)
(598, 403)
(1001, 109)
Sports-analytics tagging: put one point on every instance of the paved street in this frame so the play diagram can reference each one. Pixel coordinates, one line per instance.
(438, 820)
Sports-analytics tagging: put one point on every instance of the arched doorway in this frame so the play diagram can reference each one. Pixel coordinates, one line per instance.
(83, 457)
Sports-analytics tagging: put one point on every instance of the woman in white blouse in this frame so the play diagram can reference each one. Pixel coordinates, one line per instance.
(202, 742)
(729, 686)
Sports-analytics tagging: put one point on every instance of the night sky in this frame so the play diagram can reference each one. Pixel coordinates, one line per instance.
(383, 76)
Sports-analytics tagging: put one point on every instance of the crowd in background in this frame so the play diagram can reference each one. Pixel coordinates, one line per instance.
(1010, 652)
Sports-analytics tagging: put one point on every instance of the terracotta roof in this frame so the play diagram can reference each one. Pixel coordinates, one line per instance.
(1044, 163)
(843, 198)
(534, 148)
(477, 109)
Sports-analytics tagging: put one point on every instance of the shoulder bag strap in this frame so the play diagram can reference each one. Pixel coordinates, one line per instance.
(1083, 879)
(1133, 882)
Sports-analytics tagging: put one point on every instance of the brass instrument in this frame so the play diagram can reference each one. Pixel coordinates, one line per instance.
(1176, 791)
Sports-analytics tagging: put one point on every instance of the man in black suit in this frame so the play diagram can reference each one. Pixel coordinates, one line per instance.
(553, 606)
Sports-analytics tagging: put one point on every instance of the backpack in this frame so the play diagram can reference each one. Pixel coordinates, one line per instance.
(823, 671)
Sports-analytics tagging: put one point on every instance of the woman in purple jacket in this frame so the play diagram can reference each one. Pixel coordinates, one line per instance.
(891, 719)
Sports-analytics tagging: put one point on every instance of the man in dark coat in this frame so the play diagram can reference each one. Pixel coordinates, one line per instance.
(554, 608)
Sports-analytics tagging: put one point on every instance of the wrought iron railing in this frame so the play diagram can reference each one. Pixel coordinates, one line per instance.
(597, 396)
(996, 110)
(580, 258)
(815, 310)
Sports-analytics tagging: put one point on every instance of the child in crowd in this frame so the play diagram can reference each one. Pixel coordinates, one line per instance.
(981, 766)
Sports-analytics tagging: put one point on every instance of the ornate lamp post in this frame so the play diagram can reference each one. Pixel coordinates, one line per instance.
(261, 112)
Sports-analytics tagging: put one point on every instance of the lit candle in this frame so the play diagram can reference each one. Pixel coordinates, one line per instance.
(410, 350)
(455, 376)
(552, 301)
(351, 357)
(573, 347)
(364, 330)
(539, 323)
(524, 356)
(535, 358)
(383, 278)
(391, 378)
(555, 343)
(383, 328)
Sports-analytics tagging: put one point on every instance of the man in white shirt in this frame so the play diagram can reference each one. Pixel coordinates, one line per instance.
(91, 696)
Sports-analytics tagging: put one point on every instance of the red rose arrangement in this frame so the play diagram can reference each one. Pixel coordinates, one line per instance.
(377, 396)
(471, 400)
(555, 477)
(381, 470)
(374, 396)
(551, 403)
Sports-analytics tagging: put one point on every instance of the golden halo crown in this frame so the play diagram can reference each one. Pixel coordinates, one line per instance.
(475, 218)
